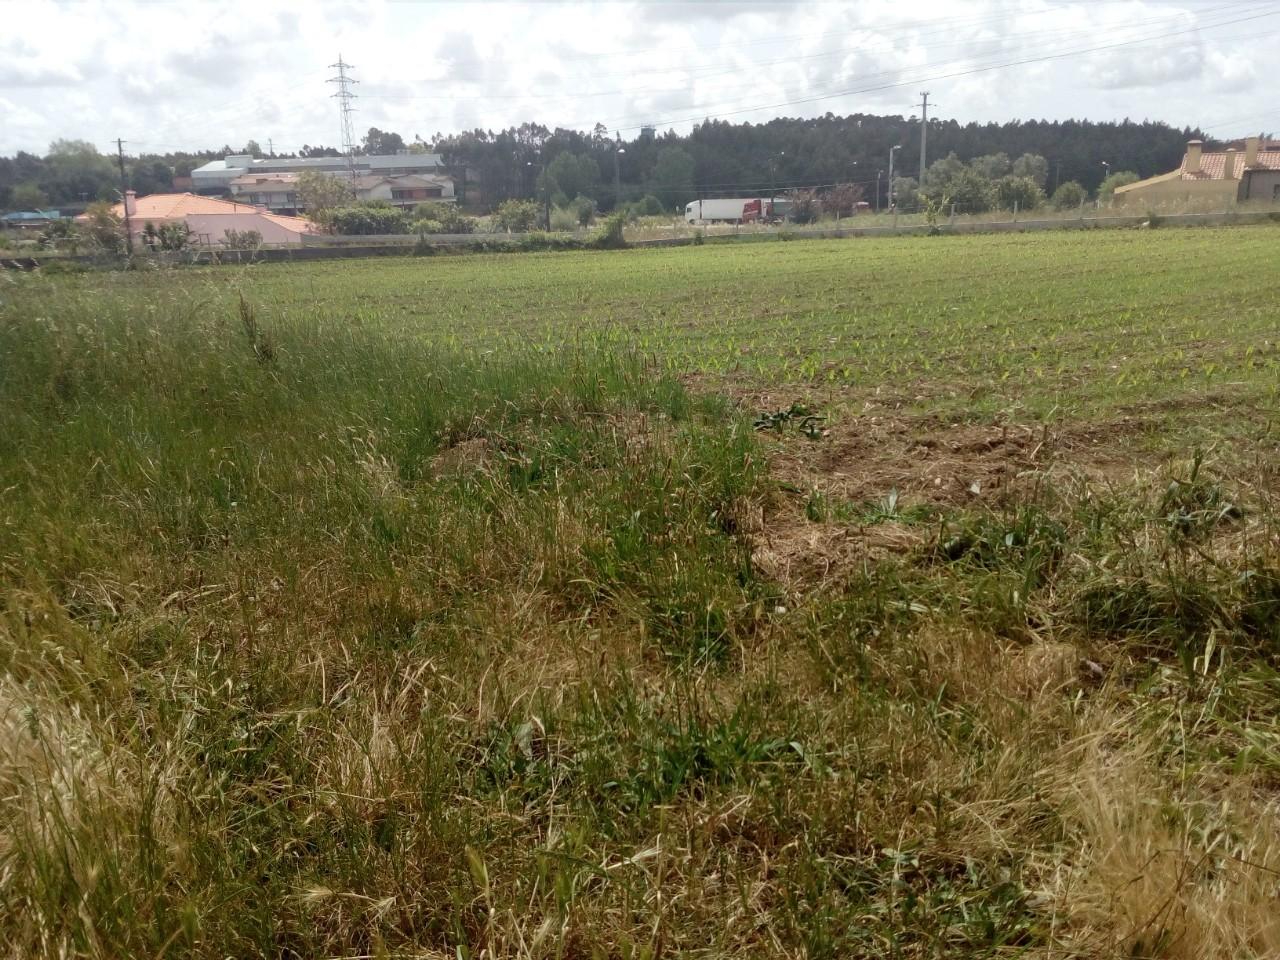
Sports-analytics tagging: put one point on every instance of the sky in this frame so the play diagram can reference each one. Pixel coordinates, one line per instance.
(174, 76)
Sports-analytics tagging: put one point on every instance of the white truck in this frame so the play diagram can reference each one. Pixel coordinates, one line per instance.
(734, 209)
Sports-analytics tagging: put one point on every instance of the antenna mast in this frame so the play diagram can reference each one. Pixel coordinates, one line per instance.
(344, 96)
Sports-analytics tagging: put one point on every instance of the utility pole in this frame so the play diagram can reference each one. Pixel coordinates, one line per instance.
(344, 96)
(924, 130)
(124, 197)
(617, 171)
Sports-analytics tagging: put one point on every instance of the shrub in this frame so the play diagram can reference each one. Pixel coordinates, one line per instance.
(441, 218)
(365, 219)
(609, 236)
(60, 234)
(842, 199)
(104, 229)
(584, 209)
(563, 218)
(242, 239)
(1121, 178)
(804, 207)
(648, 206)
(968, 189)
(1022, 192)
(1069, 196)
(516, 215)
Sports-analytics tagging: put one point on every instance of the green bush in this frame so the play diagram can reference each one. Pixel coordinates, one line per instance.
(609, 236)
(369, 218)
(563, 218)
(967, 189)
(647, 206)
(1121, 178)
(584, 209)
(516, 215)
(1069, 196)
(1020, 192)
(441, 218)
(242, 239)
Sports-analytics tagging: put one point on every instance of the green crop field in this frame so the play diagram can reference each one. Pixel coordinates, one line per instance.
(915, 597)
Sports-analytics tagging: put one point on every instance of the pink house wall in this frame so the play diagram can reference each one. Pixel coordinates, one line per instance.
(216, 225)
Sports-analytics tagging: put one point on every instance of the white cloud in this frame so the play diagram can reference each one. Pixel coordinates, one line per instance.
(200, 76)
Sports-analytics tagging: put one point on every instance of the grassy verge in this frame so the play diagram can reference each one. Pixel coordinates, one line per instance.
(320, 638)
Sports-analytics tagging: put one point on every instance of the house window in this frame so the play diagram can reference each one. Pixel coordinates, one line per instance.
(434, 192)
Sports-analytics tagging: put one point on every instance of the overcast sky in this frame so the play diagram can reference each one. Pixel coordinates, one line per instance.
(199, 74)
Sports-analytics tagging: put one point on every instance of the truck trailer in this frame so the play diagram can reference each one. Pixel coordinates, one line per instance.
(734, 209)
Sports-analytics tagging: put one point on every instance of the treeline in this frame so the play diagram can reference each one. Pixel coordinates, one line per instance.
(716, 158)
(76, 173)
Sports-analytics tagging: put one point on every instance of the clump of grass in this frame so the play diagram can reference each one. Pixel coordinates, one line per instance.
(1194, 505)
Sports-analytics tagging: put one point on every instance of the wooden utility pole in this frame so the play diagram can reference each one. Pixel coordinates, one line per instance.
(924, 130)
(124, 197)
(618, 151)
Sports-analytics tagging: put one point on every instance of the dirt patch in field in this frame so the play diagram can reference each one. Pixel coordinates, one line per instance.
(466, 456)
(927, 461)
(796, 551)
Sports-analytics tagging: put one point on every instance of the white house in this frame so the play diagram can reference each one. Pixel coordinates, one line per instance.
(404, 191)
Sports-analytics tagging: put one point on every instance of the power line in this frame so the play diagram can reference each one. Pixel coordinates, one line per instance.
(1021, 61)
(719, 71)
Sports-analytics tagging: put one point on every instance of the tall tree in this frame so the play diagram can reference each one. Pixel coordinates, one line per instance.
(321, 194)
(570, 176)
(28, 196)
(673, 177)
(1034, 166)
(379, 143)
(74, 170)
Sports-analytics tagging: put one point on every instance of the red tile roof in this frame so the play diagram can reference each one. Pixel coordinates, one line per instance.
(176, 206)
(1214, 165)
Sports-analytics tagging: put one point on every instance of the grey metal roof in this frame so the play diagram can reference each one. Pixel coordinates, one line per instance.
(18, 215)
(419, 161)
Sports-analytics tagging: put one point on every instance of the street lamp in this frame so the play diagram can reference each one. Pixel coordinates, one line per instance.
(546, 188)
